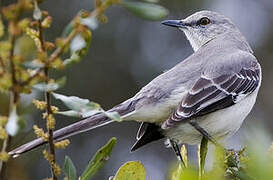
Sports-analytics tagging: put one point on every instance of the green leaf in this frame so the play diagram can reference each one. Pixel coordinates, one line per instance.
(78, 48)
(147, 11)
(69, 169)
(73, 59)
(98, 161)
(202, 155)
(132, 170)
(46, 87)
(81, 43)
(189, 173)
(184, 154)
(177, 172)
(83, 107)
(71, 113)
(77, 104)
(50, 86)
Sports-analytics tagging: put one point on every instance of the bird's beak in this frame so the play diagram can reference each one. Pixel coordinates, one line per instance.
(174, 23)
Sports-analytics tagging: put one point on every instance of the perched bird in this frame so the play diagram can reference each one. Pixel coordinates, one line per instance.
(208, 94)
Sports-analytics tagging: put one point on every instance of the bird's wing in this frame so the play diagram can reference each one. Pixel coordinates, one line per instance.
(218, 89)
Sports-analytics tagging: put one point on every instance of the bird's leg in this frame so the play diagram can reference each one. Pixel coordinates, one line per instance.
(203, 149)
(176, 149)
(204, 132)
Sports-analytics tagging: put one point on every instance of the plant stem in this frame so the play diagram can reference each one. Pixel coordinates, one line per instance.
(50, 131)
(14, 97)
(48, 101)
(12, 65)
(2, 165)
(3, 65)
(203, 149)
(59, 50)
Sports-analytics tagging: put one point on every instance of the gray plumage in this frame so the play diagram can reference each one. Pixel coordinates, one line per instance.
(216, 87)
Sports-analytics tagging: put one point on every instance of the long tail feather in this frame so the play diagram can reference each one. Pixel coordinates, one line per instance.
(73, 129)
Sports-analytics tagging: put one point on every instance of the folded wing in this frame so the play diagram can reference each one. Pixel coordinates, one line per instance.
(212, 94)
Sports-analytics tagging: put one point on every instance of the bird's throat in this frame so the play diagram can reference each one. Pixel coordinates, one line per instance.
(195, 41)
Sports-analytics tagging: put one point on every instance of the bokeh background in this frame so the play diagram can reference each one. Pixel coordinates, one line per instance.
(127, 53)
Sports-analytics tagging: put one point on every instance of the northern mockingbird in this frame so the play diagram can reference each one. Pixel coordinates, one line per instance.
(208, 94)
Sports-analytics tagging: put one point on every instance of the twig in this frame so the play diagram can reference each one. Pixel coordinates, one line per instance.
(3, 65)
(4, 148)
(27, 81)
(59, 50)
(47, 99)
(14, 97)
(12, 65)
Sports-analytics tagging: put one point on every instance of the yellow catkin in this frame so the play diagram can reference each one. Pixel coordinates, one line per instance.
(47, 22)
(3, 120)
(4, 156)
(50, 122)
(62, 144)
(3, 133)
(34, 35)
(49, 157)
(40, 133)
(54, 109)
(39, 104)
(56, 168)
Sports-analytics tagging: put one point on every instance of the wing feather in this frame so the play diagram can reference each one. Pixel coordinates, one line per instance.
(211, 94)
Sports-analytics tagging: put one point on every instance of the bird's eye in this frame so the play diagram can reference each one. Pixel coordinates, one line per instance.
(203, 21)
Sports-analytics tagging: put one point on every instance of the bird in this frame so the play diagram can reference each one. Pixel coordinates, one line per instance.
(207, 95)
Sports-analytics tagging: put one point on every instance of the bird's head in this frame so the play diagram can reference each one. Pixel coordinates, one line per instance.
(202, 26)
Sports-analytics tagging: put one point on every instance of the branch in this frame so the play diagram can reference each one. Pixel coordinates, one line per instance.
(47, 99)
(2, 64)
(14, 96)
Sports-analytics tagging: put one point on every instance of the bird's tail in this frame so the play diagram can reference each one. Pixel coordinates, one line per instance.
(89, 123)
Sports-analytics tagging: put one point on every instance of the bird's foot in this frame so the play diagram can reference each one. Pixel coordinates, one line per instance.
(176, 150)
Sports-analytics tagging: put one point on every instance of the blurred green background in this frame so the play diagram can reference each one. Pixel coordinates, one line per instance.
(127, 53)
